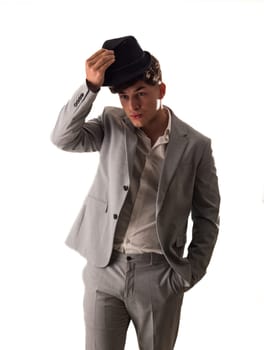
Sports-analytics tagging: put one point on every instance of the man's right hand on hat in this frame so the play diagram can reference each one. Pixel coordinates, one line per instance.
(96, 65)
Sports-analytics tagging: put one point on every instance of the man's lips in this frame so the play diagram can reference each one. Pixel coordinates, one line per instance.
(136, 116)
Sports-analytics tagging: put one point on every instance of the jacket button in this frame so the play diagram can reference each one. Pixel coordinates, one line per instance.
(115, 216)
(125, 188)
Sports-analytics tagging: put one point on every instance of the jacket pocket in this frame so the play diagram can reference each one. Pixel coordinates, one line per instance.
(96, 205)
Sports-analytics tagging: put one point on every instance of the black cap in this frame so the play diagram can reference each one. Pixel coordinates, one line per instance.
(130, 60)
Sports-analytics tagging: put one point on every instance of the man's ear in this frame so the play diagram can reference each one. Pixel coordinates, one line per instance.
(162, 89)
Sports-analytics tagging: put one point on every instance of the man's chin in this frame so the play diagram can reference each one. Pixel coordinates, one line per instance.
(137, 123)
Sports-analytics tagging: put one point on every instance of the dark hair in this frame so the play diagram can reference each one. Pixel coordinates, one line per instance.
(151, 76)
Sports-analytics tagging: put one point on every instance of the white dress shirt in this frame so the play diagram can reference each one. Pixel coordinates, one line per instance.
(136, 229)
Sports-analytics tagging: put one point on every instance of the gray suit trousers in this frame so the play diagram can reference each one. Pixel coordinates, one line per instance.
(140, 288)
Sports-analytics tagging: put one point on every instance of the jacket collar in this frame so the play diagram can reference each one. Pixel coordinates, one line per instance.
(175, 149)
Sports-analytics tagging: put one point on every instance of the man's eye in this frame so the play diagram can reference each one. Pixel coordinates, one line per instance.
(140, 94)
(123, 97)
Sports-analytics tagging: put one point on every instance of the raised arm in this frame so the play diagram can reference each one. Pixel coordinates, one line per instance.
(72, 132)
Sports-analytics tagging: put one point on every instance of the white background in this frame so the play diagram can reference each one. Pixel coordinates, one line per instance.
(212, 56)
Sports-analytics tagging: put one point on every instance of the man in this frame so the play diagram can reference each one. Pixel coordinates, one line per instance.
(154, 171)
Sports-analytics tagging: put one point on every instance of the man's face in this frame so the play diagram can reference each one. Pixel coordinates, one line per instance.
(141, 103)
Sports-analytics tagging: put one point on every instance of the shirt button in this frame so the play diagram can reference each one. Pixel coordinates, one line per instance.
(115, 216)
(125, 188)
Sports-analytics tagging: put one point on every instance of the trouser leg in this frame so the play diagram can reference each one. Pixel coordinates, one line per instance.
(106, 316)
(155, 306)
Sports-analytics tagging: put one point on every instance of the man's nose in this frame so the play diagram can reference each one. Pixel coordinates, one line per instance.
(134, 104)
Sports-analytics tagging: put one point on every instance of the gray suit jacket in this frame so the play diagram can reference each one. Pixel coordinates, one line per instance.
(188, 184)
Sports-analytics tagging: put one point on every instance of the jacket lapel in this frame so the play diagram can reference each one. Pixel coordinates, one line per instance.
(131, 145)
(176, 146)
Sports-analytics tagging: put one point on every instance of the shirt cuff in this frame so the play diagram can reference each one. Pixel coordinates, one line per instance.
(91, 87)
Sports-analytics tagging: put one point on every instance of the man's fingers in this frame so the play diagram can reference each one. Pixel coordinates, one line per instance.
(101, 64)
(97, 64)
(101, 59)
(101, 52)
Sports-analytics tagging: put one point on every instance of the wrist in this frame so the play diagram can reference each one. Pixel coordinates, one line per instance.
(92, 87)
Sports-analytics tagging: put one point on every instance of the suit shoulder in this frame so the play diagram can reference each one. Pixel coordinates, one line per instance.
(114, 116)
(113, 112)
(191, 131)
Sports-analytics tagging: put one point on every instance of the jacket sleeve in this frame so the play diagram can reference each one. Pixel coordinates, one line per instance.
(205, 215)
(72, 133)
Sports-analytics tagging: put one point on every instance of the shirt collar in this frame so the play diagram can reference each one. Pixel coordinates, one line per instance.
(168, 128)
(164, 139)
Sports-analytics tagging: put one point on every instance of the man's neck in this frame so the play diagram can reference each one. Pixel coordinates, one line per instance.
(158, 127)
